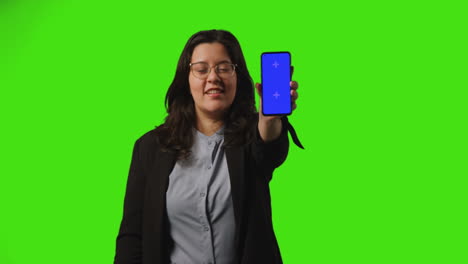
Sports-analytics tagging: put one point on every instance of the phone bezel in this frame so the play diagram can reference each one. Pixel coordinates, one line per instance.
(261, 73)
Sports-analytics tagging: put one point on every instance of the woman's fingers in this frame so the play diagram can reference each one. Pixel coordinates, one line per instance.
(294, 85)
(294, 95)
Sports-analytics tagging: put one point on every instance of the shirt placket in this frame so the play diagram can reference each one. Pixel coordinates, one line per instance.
(206, 238)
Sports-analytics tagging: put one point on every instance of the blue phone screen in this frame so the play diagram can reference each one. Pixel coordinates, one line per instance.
(276, 75)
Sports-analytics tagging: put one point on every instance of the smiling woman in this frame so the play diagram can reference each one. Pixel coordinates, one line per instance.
(212, 91)
(198, 189)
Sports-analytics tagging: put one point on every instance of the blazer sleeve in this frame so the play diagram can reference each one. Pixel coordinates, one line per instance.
(128, 244)
(270, 155)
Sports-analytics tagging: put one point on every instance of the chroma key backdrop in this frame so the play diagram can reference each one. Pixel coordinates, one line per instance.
(381, 114)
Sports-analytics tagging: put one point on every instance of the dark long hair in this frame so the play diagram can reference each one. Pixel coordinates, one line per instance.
(176, 132)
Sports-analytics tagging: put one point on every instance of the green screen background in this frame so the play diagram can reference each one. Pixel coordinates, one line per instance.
(381, 113)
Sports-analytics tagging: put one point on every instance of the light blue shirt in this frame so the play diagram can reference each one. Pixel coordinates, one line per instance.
(199, 204)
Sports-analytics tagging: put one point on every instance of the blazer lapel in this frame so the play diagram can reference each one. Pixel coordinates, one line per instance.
(235, 162)
(162, 166)
(155, 204)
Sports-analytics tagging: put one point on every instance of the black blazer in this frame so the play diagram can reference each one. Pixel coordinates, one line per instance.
(143, 236)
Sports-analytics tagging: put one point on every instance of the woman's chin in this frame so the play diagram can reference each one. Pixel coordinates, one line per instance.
(215, 110)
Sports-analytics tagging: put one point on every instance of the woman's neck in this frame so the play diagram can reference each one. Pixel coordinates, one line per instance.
(208, 126)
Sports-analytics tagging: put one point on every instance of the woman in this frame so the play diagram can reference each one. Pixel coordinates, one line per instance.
(197, 190)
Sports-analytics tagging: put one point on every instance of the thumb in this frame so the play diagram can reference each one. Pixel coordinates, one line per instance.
(259, 89)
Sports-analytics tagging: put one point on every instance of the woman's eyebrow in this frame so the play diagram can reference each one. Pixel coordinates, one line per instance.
(223, 61)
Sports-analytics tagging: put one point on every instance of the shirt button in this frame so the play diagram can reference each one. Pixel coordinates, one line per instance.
(209, 143)
(206, 229)
(202, 194)
(209, 167)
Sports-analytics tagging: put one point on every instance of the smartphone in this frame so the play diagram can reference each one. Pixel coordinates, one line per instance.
(276, 76)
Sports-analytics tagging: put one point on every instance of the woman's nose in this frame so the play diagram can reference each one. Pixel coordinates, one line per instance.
(213, 76)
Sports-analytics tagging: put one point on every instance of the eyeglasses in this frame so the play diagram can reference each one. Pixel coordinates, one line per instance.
(201, 70)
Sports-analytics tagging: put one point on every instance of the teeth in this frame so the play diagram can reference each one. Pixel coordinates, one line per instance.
(213, 91)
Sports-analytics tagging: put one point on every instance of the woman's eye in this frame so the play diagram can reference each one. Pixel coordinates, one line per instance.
(224, 68)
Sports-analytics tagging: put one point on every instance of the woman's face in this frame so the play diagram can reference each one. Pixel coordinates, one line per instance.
(213, 94)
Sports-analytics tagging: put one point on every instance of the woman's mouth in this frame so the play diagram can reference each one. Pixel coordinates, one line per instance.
(214, 92)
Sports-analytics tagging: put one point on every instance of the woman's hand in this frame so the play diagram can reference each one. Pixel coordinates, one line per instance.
(270, 126)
